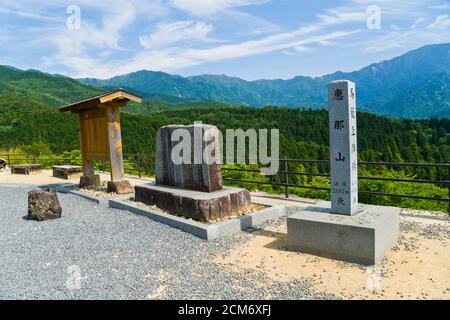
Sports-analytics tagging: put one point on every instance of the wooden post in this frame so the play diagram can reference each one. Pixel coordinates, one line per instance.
(115, 141)
(88, 165)
(139, 164)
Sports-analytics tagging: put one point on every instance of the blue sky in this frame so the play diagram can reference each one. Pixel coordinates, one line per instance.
(251, 39)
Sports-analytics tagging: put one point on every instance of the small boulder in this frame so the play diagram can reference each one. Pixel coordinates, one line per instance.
(43, 205)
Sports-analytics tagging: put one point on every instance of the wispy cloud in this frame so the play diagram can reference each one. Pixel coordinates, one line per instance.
(203, 7)
(165, 48)
(28, 14)
(442, 22)
(174, 59)
(174, 32)
(342, 15)
(417, 22)
(405, 38)
(118, 37)
(441, 6)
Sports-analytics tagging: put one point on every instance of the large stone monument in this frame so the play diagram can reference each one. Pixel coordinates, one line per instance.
(188, 179)
(344, 229)
(198, 174)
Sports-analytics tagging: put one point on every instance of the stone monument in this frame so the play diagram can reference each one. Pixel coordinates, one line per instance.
(343, 147)
(198, 174)
(344, 229)
(190, 185)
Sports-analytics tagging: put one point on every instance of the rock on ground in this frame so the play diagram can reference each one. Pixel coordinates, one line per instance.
(43, 205)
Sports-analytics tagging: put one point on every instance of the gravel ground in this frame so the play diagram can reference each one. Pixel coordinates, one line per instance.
(120, 256)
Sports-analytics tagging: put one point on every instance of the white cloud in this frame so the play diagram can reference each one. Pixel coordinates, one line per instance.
(173, 59)
(410, 38)
(302, 49)
(161, 54)
(337, 16)
(249, 24)
(205, 7)
(417, 22)
(172, 32)
(27, 14)
(287, 52)
(108, 43)
(442, 22)
(441, 6)
(85, 49)
(394, 9)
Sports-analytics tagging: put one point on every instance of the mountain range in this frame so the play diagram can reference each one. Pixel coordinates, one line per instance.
(36, 87)
(414, 85)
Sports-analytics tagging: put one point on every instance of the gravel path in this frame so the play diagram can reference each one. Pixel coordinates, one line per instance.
(119, 255)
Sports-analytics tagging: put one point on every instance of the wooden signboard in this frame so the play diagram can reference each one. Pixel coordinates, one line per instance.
(100, 134)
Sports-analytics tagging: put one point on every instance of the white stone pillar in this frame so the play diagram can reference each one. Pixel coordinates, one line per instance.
(343, 147)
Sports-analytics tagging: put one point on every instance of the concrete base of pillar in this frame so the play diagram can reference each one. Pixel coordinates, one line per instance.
(119, 187)
(363, 238)
(89, 181)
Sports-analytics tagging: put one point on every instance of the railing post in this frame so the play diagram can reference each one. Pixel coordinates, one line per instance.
(448, 186)
(286, 178)
(8, 159)
(139, 164)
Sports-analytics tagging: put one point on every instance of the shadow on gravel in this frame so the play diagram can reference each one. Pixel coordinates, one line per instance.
(62, 188)
(279, 238)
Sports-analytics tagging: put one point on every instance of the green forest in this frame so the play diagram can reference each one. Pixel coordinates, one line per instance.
(303, 135)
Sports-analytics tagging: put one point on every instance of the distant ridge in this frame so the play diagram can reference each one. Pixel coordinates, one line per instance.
(383, 88)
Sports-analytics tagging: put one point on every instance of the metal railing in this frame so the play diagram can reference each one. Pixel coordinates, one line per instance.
(141, 164)
(135, 163)
(285, 173)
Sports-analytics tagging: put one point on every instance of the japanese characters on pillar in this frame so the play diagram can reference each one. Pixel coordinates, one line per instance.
(343, 147)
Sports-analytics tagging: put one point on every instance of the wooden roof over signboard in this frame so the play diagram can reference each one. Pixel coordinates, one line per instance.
(96, 102)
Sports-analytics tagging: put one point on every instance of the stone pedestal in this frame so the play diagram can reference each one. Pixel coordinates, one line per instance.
(200, 206)
(67, 172)
(89, 181)
(119, 187)
(180, 157)
(363, 238)
(27, 169)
